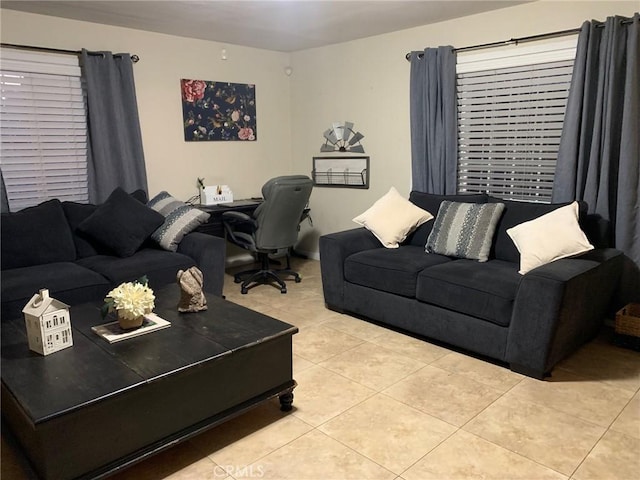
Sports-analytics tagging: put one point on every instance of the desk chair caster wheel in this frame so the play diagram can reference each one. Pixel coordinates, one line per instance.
(283, 290)
(298, 279)
(244, 291)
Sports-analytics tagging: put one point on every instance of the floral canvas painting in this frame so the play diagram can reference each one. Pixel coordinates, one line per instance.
(218, 111)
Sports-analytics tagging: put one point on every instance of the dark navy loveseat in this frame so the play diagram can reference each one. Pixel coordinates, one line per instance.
(42, 247)
(529, 322)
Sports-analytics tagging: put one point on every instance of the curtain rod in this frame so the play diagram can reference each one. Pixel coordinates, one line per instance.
(512, 41)
(560, 33)
(134, 58)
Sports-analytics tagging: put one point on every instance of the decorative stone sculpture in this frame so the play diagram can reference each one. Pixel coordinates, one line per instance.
(192, 298)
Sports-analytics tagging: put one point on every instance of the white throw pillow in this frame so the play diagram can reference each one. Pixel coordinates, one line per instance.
(392, 218)
(549, 237)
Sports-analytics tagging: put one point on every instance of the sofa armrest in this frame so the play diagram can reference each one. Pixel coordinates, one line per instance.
(559, 307)
(209, 253)
(334, 249)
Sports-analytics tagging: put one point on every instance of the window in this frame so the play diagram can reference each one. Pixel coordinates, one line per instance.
(511, 106)
(43, 128)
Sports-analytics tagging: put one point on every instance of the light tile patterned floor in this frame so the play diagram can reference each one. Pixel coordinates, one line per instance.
(373, 403)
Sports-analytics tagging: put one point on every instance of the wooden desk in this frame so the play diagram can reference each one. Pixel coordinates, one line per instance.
(214, 225)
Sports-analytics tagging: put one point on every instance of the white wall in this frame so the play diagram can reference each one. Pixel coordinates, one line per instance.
(367, 82)
(172, 163)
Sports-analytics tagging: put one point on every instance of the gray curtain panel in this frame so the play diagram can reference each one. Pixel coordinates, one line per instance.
(4, 200)
(434, 129)
(115, 156)
(599, 156)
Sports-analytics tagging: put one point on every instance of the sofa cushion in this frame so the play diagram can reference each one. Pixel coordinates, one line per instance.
(35, 236)
(121, 223)
(390, 270)
(140, 195)
(76, 213)
(484, 290)
(515, 213)
(431, 203)
(464, 230)
(66, 281)
(179, 219)
(165, 203)
(392, 218)
(159, 266)
(550, 237)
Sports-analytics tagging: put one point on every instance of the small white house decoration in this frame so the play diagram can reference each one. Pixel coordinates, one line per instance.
(48, 323)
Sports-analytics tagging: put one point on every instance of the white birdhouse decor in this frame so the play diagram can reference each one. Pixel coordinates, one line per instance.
(48, 323)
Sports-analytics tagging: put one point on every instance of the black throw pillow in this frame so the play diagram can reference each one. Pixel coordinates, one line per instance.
(76, 213)
(36, 235)
(121, 224)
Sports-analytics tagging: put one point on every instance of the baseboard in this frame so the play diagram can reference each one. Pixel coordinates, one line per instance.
(238, 259)
(310, 255)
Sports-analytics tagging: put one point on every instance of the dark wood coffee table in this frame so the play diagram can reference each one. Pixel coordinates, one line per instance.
(95, 408)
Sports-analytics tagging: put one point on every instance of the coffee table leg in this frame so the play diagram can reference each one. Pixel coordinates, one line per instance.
(286, 401)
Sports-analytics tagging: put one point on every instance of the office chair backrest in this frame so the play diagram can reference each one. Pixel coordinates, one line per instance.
(279, 215)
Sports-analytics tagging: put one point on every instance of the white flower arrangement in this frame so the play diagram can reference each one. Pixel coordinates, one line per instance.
(130, 299)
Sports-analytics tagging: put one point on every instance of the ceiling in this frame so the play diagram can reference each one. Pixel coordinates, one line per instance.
(281, 25)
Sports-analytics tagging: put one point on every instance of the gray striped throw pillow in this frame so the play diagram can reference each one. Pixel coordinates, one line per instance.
(464, 230)
(179, 219)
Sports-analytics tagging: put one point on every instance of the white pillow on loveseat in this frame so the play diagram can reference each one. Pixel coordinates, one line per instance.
(392, 218)
(549, 237)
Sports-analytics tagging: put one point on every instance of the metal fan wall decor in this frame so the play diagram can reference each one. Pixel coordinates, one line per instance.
(341, 138)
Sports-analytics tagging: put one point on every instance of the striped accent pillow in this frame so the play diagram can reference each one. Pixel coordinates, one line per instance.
(179, 219)
(464, 230)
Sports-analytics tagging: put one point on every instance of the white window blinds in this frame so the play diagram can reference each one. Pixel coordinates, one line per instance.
(510, 122)
(43, 128)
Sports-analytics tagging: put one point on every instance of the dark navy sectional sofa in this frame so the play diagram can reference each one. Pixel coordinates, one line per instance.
(43, 247)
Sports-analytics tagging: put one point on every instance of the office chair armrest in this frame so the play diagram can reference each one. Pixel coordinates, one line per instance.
(240, 228)
(239, 218)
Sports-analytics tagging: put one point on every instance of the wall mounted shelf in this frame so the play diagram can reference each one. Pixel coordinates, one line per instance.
(347, 171)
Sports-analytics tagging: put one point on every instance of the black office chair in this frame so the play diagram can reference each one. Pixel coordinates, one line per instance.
(273, 229)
